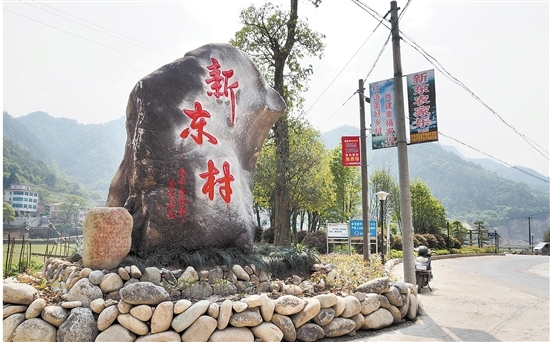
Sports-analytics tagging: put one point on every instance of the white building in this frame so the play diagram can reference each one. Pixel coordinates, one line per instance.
(22, 198)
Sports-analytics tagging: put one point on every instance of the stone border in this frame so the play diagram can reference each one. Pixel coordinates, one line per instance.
(125, 305)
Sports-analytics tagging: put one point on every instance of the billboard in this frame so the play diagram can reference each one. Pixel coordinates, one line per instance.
(351, 151)
(383, 121)
(422, 110)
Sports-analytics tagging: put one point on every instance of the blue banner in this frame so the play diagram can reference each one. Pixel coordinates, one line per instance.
(356, 228)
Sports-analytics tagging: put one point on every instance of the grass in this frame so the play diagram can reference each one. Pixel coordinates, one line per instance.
(30, 255)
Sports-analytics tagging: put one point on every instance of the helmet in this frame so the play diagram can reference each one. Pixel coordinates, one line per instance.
(423, 250)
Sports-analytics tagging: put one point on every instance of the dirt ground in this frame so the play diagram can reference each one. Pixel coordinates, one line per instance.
(471, 308)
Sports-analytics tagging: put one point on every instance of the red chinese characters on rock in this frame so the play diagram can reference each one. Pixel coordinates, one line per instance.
(219, 89)
(211, 181)
(220, 85)
(198, 122)
(180, 201)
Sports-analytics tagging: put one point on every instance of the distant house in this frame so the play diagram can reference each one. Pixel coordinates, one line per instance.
(23, 199)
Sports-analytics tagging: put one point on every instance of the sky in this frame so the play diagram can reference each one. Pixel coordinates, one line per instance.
(80, 60)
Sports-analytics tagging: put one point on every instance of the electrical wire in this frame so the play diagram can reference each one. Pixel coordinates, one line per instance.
(72, 34)
(125, 39)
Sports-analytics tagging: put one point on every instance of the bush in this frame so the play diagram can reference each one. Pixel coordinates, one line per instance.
(258, 231)
(268, 236)
(431, 241)
(419, 240)
(455, 243)
(317, 240)
(441, 241)
(301, 235)
(396, 254)
(396, 242)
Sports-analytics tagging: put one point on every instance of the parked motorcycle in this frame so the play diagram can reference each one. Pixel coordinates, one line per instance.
(423, 267)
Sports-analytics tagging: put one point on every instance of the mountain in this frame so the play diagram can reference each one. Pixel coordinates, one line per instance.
(89, 153)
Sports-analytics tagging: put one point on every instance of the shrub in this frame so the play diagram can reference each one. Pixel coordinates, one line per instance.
(258, 231)
(431, 241)
(317, 240)
(353, 270)
(396, 254)
(441, 241)
(301, 235)
(455, 243)
(268, 236)
(396, 242)
(419, 240)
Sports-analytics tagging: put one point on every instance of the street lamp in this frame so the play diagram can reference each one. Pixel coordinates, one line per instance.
(496, 240)
(381, 195)
(448, 237)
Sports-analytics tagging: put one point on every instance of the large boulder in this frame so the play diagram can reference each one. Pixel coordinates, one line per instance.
(194, 130)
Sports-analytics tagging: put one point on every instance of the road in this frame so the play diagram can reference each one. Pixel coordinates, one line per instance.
(485, 298)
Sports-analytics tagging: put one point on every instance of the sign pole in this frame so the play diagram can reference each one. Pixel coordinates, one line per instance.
(364, 173)
(402, 156)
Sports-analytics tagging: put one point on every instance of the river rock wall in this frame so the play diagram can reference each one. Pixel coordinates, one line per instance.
(185, 305)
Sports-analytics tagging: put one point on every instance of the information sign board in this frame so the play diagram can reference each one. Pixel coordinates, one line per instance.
(337, 230)
(356, 228)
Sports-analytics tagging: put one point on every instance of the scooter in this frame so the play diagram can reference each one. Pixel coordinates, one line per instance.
(423, 267)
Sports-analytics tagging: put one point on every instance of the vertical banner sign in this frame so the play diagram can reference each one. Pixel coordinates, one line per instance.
(351, 151)
(382, 95)
(422, 111)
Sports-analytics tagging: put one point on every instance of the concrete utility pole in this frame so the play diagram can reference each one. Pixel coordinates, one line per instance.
(402, 156)
(364, 174)
(529, 224)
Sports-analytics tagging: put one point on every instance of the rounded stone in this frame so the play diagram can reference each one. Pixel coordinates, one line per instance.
(55, 315)
(95, 277)
(111, 282)
(35, 309)
(18, 293)
(34, 330)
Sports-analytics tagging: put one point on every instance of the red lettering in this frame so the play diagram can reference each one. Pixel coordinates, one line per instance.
(197, 123)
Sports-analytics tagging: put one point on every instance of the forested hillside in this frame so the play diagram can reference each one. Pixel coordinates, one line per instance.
(88, 153)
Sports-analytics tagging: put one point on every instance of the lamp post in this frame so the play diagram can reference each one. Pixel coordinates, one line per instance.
(496, 240)
(381, 195)
(448, 236)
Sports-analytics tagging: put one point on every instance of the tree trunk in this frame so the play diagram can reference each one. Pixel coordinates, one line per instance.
(280, 133)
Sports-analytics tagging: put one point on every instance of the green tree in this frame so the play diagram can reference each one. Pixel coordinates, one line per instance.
(347, 182)
(546, 236)
(481, 231)
(71, 205)
(276, 40)
(428, 213)
(382, 180)
(458, 231)
(9, 213)
(309, 175)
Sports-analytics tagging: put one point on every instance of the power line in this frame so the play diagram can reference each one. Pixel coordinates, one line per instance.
(72, 34)
(125, 39)
(488, 155)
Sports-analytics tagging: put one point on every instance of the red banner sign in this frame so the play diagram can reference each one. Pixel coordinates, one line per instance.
(351, 151)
